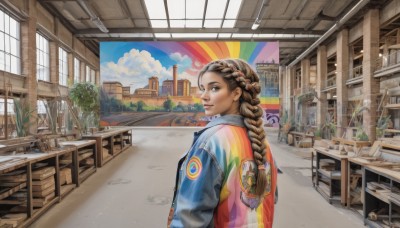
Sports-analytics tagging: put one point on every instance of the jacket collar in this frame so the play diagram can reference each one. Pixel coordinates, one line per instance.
(235, 120)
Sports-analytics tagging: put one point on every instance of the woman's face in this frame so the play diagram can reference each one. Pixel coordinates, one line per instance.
(216, 96)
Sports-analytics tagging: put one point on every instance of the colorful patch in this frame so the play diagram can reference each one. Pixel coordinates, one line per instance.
(248, 177)
(248, 171)
(268, 172)
(193, 168)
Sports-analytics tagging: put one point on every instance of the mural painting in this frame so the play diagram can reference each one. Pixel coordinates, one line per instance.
(155, 83)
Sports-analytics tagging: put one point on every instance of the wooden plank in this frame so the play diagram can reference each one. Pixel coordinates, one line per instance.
(43, 173)
(6, 192)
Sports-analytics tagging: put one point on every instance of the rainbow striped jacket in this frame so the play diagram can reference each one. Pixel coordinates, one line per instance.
(216, 177)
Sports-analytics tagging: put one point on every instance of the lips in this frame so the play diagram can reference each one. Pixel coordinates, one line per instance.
(206, 106)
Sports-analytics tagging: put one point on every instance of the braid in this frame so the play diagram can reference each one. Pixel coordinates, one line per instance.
(238, 73)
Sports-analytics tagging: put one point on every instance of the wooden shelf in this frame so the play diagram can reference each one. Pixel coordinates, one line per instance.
(378, 196)
(392, 106)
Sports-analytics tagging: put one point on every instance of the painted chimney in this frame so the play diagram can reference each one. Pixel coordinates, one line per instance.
(175, 75)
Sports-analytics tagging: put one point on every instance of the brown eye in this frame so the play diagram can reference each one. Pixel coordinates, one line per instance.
(214, 88)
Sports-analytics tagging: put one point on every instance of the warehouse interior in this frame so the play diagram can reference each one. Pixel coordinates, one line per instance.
(79, 147)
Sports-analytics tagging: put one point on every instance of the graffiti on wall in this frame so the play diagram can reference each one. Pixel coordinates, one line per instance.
(155, 83)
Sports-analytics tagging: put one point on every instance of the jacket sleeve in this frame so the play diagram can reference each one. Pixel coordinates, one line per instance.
(199, 190)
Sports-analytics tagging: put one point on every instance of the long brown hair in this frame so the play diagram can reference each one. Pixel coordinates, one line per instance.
(238, 73)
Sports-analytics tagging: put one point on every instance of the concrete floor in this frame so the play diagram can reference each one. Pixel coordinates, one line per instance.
(135, 189)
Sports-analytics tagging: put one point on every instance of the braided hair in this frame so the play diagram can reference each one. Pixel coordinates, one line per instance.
(237, 73)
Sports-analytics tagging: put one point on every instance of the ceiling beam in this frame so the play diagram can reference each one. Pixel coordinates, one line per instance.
(49, 7)
(198, 30)
(125, 8)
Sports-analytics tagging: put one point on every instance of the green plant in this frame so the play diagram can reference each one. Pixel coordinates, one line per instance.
(86, 96)
(22, 117)
(382, 125)
(361, 135)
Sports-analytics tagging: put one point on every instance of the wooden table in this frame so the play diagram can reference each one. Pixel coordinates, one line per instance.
(109, 135)
(298, 136)
(323, 152)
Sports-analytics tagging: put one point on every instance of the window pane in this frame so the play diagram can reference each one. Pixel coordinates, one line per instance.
(1, 41)
(6, 24)
(14, 46)
(1, 21)
(2, 61)
(14, 62)
(13, 28)
(8, 63)
(7, 43)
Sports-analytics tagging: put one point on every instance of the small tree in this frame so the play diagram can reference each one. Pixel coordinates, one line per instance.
(140, 106)
(168, 104)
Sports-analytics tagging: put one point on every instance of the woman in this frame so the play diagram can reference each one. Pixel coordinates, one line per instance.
(228, 177)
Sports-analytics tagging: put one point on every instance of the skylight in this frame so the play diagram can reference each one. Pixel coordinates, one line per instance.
(194, 35)
(232, 13)
(156, 12)
(215, 13)
(176, 12)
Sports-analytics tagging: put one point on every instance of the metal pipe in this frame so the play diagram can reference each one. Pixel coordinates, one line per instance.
(93, 17)
(337, 25)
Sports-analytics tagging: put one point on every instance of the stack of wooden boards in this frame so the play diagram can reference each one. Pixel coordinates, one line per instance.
(43, 186)
(13, 197)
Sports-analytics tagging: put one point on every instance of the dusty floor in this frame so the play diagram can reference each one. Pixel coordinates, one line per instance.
(135, 189)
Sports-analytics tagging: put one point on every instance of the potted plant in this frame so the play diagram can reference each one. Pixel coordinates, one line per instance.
(86, 96)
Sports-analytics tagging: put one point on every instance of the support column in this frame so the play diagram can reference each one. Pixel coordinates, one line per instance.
(322, 71)
(71, 75)
(370, 84)
(97, 78)
(305, 84)
(83, 72)
(54, 62)
(291, 78)
(342, 69)
(28, 61)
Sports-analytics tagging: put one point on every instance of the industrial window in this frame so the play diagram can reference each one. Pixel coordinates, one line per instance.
(42, 58)
(77, 72)
(90, 75)
(62, 67)
(10, 58)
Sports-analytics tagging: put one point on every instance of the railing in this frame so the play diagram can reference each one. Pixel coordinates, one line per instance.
(357, 72)
(388, 60)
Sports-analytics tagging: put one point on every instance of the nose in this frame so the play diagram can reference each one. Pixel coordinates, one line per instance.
(204, 95)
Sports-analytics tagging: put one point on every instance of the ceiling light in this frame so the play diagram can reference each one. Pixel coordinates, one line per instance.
(255, 25)
(224, 35)
(241, 35)
(162, 35)
(261, 12)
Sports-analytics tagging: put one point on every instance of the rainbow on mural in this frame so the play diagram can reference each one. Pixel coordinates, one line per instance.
(155, 83)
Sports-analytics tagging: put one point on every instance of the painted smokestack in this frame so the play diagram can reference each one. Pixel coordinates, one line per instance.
(175, 75)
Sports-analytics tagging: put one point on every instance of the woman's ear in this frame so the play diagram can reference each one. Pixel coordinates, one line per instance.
(237, 92)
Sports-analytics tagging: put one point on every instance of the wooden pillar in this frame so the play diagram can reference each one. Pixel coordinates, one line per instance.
(342, 69)
(28, 61)
(305, 85)
(322, 68)
(370, 84)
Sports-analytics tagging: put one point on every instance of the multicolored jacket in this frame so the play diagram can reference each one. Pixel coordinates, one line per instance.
(216, 177)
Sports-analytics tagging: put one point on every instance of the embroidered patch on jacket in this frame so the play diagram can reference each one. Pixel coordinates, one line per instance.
(193, 168)
(248, 171)
(268, 173)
